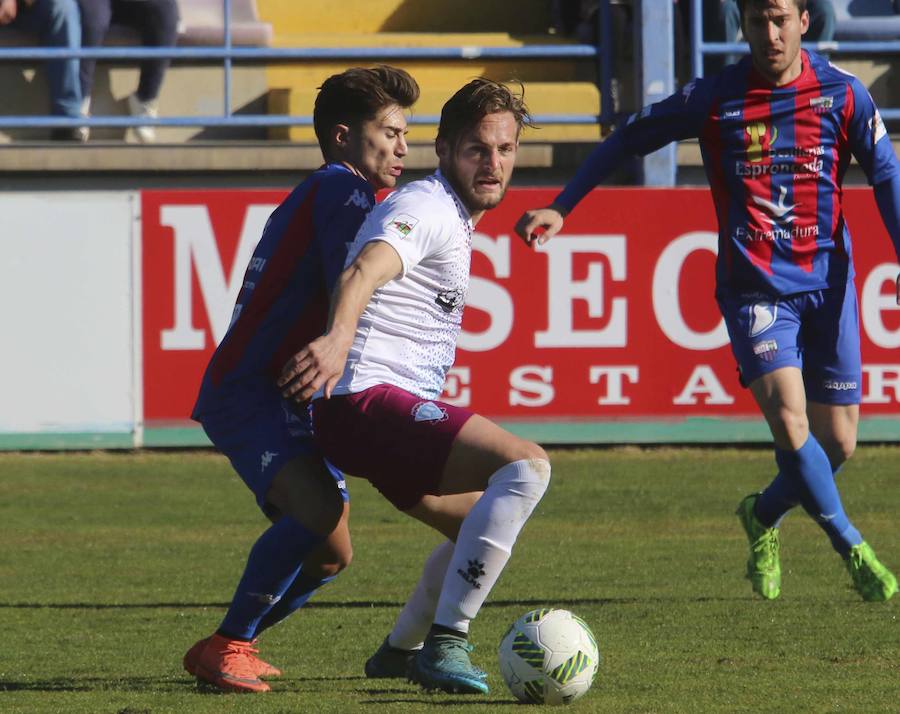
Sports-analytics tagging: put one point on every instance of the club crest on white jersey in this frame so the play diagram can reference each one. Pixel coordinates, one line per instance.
(401, 225)
(429, 411)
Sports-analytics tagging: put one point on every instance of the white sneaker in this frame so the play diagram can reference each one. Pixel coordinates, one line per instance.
(137, 108)
(83, 133)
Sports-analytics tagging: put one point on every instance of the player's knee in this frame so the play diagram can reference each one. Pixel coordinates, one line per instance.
(528, 450)
(790, 428)
(328, 560)
(840, 448)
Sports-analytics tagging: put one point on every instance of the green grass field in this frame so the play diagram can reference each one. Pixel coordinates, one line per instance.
(113, 564)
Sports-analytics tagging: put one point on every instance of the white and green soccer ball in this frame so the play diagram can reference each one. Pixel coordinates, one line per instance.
(549, 657)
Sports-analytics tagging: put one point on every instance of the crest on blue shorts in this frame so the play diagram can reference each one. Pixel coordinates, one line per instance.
(762, 317)
(766, 350)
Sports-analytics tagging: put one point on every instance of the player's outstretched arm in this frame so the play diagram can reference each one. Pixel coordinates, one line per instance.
(541, 224)
(887, 197)
(320, 364)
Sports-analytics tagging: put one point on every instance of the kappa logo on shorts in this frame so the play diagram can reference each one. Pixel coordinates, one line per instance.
(766, 350)
(429, 411)
(837, 385)
(762, 317)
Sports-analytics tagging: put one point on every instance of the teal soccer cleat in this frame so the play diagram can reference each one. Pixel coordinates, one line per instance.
(443, 663)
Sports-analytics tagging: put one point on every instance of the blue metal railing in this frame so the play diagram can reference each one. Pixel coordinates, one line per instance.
(228, 54)
(701, 48)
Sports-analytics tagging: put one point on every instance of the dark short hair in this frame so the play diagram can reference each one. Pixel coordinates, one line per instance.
(475, 101)
(357, 95)
(742, 5)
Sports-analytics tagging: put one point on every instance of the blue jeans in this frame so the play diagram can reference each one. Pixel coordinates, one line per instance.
(58, 24)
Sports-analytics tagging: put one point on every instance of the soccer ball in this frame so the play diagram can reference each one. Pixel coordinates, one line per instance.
(548, 657)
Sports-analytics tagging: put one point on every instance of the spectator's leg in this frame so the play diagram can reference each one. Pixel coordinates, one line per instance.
(731, 22)
(157, 21)
(57, 23)
(95, 18)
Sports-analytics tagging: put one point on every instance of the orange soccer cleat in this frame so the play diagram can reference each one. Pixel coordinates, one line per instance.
(228, 664)
(263, 668)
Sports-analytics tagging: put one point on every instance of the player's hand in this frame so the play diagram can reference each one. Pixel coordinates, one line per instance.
(540, 224)
(318, 365)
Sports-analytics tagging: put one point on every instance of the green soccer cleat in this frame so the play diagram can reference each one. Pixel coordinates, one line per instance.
(443, 663)
(870, 578)
(389, 662)
(763, 565)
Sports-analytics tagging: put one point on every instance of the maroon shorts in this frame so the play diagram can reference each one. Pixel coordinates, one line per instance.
(396, 440)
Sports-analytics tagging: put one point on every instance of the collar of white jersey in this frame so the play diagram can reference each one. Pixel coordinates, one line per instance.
(463, 211)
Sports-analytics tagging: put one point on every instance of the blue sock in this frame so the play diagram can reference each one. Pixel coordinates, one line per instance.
(779, 497)
(296, 596)
(809, 469)
(273, 564)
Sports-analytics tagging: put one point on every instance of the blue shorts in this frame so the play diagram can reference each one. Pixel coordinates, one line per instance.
(261, 438)
(816, 331)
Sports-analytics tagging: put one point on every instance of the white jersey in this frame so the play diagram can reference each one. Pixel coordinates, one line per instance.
(407, 334)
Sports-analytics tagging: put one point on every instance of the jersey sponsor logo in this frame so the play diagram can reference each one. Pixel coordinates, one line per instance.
(257, 264)
(401, 225)
(762, 317)
(266, 459)
(751, 234)
(449, 300)
(766, 350)
(472, 573)
(876, 127)
(821, 105)
(759, 132)
(429, 411)
(779, 211)
(733, 114)
(359, 199)
(836, 385)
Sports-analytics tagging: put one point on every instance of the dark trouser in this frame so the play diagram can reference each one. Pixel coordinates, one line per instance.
(155, 20)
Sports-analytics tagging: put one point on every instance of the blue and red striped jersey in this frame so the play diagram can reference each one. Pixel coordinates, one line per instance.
(775, 158)
(283, 302)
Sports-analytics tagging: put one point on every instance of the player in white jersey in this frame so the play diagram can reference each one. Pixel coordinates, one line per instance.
(378, 370)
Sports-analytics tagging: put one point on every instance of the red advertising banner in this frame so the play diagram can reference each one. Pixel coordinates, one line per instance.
(614, 318)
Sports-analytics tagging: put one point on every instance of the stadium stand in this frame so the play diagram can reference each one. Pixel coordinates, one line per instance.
(556, 85)
(195, 87)
(189, 88)
(867, 19)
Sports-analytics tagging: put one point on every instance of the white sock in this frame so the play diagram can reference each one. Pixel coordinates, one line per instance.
(486, 539)
(418, 613)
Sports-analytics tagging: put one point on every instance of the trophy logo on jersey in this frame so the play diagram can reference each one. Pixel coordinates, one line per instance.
(762, 136)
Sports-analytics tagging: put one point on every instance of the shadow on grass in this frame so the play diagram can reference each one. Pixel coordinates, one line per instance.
(454, 702)
(97, 684)
(352, 604)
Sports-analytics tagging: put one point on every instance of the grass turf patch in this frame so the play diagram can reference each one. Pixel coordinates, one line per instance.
(115, 563)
